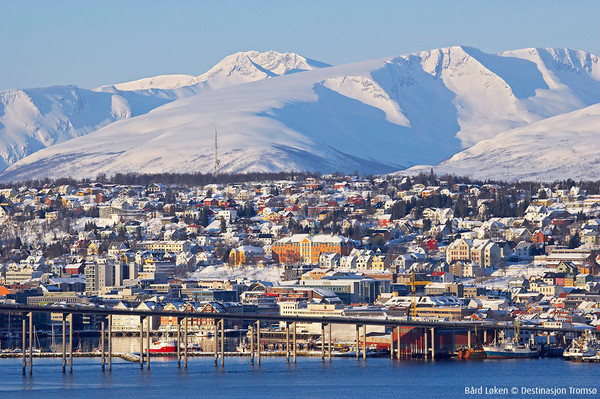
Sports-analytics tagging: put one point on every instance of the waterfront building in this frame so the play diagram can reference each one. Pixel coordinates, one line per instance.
(351, 289)
(128, 323)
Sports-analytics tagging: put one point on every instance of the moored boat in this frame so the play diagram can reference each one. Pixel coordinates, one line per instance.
(551, 351)
(163, 346)
(510, 350)
(475, 353)
(584, 347)
(471, 353)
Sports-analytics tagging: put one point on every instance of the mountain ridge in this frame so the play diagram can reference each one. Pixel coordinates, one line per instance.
(32, 119)
(244, 66)
(519, 154)
(374, 116)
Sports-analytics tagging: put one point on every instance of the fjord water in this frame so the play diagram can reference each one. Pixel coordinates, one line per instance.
(309, 378)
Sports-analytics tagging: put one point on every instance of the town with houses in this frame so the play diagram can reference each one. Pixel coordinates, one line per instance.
(394, 246)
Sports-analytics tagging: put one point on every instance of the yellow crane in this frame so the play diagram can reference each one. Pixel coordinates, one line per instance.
(413, 284)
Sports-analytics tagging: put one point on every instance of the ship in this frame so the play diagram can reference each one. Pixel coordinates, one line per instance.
(511, 349)
(162, 346)
(552, 350)
(584, 347)
(472, 353)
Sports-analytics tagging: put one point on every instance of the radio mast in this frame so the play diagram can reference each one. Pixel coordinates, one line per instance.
(216, 168)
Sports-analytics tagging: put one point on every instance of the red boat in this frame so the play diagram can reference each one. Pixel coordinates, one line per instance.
(163, 347)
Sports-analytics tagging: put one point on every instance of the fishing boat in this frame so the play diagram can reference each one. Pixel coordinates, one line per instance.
(243, 348)
(552, 350)
(510, 349)
(472, 353)
(195, 347)
(584, 347)
(163, 346)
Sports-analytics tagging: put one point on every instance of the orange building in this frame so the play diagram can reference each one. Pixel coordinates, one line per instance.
(307, 249)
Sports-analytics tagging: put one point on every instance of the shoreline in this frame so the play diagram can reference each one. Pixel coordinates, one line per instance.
(130, 356)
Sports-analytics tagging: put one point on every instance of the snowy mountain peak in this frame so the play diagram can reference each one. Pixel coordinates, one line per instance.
(250, 66)
(282, 63)
(241, 67)
(560, 59)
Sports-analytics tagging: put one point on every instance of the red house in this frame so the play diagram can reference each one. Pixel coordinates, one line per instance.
(430, 244)
(538, 237)
(75, 268)
(211, 202)
(384, 220)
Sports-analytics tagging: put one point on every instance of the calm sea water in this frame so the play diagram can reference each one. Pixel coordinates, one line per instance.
(309, 378)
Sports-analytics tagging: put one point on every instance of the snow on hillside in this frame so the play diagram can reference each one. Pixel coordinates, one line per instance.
(163, 82)
(561, 147)
(32, 119)
(499, 279)
(373, 116)
(271, 274)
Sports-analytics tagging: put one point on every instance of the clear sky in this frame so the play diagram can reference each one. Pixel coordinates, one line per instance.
(89, 43)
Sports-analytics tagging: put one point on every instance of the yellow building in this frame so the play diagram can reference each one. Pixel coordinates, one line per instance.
(246, 255)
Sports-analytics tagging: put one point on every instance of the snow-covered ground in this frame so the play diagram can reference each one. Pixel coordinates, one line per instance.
(33, 232)
(79, 223)
(501, 277)
(271, 274)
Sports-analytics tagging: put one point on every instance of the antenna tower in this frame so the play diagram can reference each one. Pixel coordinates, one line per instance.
(217, 162)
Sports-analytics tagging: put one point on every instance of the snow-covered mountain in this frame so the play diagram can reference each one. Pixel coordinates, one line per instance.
(32, 119)
(374, 116)
(562, 147)
(242, 67)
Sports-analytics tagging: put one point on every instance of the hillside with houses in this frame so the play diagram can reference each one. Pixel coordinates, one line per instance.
(459, 249)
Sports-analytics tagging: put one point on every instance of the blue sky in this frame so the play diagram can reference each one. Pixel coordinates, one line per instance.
(89, 43)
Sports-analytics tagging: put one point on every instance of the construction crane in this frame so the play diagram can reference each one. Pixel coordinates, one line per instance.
(413, 302)
(413, 291)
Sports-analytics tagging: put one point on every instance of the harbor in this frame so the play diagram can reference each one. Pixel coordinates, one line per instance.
(470, 345)
(308, 378)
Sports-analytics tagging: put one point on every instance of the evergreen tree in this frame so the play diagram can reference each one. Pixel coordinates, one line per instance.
(461, 208)
(426, 225)
(574, 241)
(203, 217)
